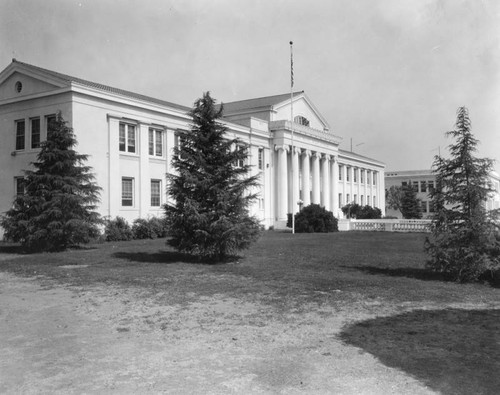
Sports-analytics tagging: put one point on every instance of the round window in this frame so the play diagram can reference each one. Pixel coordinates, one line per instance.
(19, 86)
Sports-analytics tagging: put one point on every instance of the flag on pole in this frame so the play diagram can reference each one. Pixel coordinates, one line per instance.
(291, 64)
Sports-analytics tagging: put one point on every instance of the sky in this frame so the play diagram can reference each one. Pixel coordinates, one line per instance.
(388, 75)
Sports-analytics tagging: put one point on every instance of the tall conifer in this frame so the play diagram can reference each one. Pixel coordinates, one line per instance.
(210, 189)
(463, 244)
(57, 209)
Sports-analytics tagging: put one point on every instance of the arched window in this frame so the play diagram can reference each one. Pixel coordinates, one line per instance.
(301, 120)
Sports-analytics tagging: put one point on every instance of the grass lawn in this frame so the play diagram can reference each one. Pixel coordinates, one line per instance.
(444, 334)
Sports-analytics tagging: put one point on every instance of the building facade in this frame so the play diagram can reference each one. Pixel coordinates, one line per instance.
(423, 181)
(129, 139)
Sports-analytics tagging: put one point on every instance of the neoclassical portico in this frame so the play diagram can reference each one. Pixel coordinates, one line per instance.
(315, 170)
(294, 183)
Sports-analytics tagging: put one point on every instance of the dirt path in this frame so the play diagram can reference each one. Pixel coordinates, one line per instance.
(110, 340)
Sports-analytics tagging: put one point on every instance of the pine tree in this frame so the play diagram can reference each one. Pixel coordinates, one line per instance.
(463, 245)
(410, 204)
(57, 208)
(210, 189)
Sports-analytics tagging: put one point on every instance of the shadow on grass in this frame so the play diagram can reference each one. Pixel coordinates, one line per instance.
(167, 257)
(7, 248)
(452, 351)
(420, 274)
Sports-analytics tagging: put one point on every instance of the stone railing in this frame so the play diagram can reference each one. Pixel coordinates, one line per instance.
(287, 125)
(386, 225)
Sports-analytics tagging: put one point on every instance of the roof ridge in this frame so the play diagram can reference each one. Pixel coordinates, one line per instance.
(345, 152)
(103, 87)
(263, 97)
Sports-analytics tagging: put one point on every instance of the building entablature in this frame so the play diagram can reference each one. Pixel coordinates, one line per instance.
(354, 160)
(141, 104)
(285, 125)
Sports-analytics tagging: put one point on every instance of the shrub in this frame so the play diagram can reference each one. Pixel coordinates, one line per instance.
(314, 218)
(351, 210)
(361, 212)
(149, 228)
(368, 212)
(117, 229)
(159, 225)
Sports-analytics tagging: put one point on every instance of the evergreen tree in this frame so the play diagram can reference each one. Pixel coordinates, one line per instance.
(57, 208)
(210, 189)
(463, 244)
(410, 204)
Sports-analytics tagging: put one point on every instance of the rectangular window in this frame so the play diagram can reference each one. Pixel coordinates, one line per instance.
(362, 176)
(355, 175)
(368, 181)
(241, 161)
(431, 185)
(347, 199)
(50, 121)
(151, 142)
(20, 134)
(179, 143)
(374, 201)
(362, 200)
(35, 133)
(158, 143)
(341, 168)
(127, 138)
(127, 192)
(155, 193)
(348, 174)
(261, 159)
(368, 200)
(415, 186)
(155, 142)
(423, 186)
(340, 200)
(374, 178)
(20, 184)
(123, 141)
(355, 199)
(404, 183)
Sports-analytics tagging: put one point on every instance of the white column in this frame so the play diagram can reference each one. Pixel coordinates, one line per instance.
(334, 187)
(296, 187)
(353, 184)
(306, 174)
(316, 198)
(326, 181)
(344, 184)
(282, 191)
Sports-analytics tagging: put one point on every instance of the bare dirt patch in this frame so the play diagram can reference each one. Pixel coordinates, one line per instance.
(55, 339)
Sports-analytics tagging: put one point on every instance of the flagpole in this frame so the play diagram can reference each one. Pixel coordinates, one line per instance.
(291, 126)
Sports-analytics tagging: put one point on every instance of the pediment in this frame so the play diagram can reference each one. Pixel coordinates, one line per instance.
(302, 108)
(18, 84)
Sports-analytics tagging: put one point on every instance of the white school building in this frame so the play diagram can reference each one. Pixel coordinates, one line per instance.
(129, 139)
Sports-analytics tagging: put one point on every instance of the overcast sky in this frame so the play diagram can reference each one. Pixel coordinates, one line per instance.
(388, 74)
